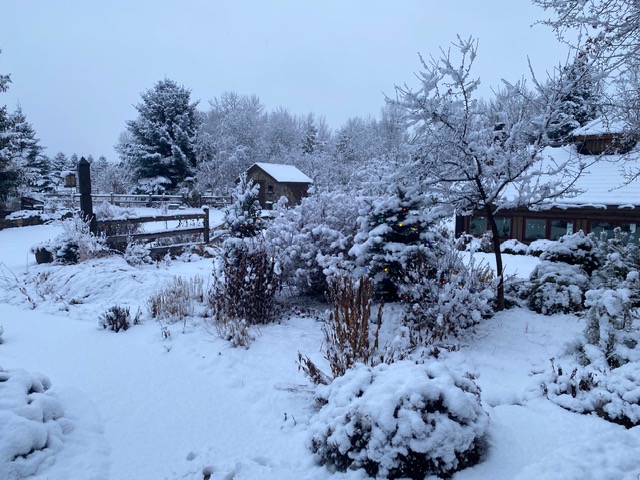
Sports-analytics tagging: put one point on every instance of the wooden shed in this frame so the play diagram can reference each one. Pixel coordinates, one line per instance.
(276, 181)
(606, 201)
(602, 137)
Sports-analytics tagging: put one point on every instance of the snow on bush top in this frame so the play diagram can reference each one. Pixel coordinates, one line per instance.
(399, 420)
(576, 249)
(32, 423)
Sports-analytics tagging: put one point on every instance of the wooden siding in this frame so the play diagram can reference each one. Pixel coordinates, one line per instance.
(271, 191)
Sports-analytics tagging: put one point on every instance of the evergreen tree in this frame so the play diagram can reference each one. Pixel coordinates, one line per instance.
(27, 153)
(9, 171)
(394, 234)
(579, 96)
(160, 145)
(243, 218)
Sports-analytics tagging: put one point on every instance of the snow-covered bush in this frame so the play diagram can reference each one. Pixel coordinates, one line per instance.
(118, 318)
(576, 249)
(137, 253)
(444, 295)
(513, 247)
(557, 287)
(538, 247)
(32, 423)
(178, 301)
(618, 257)
(604, 376)
(311, 240)
(75, 244)
(399, 421)
(245, 282)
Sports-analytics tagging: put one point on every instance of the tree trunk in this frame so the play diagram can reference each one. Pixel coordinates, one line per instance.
(491, 220)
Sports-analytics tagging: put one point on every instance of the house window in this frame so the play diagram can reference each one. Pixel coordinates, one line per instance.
(632, 230)
(599, 227)
(477, 226)
(535, 228)
(269, 188)
(504, 227)
(560, 228)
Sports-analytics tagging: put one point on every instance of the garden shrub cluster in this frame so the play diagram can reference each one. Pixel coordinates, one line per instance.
(601, 373)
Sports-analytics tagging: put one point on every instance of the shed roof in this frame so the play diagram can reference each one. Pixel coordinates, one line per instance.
(600, 126)
(283, 173)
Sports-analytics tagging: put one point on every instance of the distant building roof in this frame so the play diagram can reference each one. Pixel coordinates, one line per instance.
(283, 173)
(600, 126)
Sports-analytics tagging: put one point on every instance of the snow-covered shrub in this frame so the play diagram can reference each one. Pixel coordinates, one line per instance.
(604, 372)
(76, 243)
(137, 253)
(618, 257)
(245, 282)
(513, 247)
(400, 421)
(444, 295)
(538, 247)
(311, 240)
(557, 288)
(576, 249)
(486, 242)
(118, 318)
(32, 423)
(178, 301)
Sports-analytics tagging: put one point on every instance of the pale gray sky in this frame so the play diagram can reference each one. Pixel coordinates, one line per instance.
(79, 66)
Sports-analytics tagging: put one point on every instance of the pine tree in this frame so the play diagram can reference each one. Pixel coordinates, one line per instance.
(160, 145)
(27, 153)
(394, 234)
(243, 218)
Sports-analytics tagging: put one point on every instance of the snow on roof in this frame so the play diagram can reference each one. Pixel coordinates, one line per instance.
(284, 173)
(602, 183)
(599, 126)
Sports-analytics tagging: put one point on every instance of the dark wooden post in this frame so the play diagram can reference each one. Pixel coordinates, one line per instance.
(84, 186)
(206, 225)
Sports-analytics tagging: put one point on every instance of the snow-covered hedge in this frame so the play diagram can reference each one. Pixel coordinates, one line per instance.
(557, 288)
(400, 420)
(513, 247)
(32, 423)
(576, 249)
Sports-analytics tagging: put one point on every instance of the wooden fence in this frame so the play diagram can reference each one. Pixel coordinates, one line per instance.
(116, 239)
(172, 201)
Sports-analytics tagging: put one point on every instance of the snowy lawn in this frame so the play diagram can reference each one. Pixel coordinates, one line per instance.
(136, 405)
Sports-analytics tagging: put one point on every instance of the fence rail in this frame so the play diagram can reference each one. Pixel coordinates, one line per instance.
(119, 241)
(148, 200)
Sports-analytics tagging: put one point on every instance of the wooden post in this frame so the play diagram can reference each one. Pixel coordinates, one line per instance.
(84, 186)
(206, 225)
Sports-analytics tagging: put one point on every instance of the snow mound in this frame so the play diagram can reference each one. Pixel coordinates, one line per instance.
(400, 420)
(32, 424)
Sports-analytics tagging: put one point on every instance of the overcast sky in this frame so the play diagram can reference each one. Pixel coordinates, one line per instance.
(79, 66)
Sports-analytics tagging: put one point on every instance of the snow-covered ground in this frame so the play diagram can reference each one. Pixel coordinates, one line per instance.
(140, 406)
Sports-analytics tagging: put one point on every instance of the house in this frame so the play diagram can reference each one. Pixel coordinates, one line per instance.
(606, 201)
(276, 181)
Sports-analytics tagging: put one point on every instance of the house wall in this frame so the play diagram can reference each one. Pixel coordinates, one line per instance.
(586, 219)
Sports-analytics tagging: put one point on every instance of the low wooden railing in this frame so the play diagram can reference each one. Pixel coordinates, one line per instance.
(148, 200)
(118, 241)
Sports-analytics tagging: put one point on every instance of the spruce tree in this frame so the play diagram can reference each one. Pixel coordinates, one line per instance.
(243, 218)
(160, 145)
